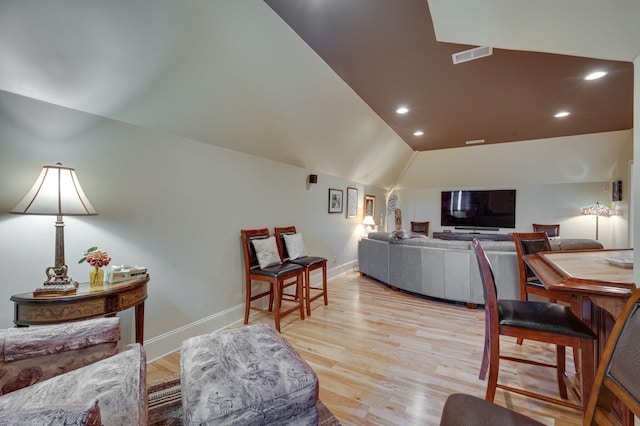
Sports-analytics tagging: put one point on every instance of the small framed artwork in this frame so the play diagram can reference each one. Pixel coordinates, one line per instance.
(335, 200)
(616, 191)
(369, 206)
(352, 202)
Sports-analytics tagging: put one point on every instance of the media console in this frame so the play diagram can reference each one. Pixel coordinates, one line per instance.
(468, 236)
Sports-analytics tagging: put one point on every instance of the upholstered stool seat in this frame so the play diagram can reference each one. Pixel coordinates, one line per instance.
(249, 375)
(542, 316)
(309, 261)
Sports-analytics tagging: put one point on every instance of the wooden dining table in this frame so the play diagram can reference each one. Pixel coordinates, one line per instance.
(598, 283)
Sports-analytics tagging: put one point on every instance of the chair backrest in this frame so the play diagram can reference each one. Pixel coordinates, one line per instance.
(488, 287)
(551, 230)
(529, 243)
(619, 369)
(250, 257)
(420, 227)
(280, 232)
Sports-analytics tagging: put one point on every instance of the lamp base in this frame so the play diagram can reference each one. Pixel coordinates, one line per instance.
(57, 283)
(56, 288)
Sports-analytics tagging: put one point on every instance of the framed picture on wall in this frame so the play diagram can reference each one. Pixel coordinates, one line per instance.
(335, 200)
(369, 206)
(352, 202)
(616, 191)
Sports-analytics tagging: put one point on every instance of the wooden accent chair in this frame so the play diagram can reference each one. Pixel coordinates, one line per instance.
(309, 263)
(618, 377)
(420, 227)
(551, 230)
(540, 321)
(278, 276)
(530, 243)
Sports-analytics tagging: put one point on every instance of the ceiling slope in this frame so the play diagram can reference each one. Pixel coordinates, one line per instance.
(388, 53)
(226, 73)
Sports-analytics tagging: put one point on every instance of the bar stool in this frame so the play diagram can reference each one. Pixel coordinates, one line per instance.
(309, 263)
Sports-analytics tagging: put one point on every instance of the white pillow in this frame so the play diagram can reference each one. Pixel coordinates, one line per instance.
(295, 246)
(267, 251)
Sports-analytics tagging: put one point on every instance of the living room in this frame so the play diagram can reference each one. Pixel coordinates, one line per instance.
(185, 147)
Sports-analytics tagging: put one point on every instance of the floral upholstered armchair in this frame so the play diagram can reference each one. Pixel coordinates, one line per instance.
(73, 373)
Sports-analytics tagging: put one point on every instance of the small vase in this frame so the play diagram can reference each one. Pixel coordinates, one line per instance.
(96, 276)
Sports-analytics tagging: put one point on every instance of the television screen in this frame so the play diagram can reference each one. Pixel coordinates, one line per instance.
(479, 209)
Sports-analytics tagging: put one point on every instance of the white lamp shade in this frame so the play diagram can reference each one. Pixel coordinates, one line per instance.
(368, 220)
(56, 192)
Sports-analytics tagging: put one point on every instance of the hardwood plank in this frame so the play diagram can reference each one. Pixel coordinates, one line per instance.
(385, 357)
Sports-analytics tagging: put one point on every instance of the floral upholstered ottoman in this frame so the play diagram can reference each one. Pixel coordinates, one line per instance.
(246, 376)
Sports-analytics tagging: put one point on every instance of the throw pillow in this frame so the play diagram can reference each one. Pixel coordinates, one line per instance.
(403, 234)
(267, 252)
(295, 246)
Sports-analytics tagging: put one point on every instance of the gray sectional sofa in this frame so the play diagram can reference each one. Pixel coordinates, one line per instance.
(445, 269)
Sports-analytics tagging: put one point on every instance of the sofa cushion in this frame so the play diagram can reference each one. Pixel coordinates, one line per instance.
(381, 236)
(117, 382)
(575, 244)
(403, 234)
(80, 414)
(31, 342)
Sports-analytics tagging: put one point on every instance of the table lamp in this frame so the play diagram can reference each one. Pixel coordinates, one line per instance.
(368, 222)
(57, 192)
(596, 210)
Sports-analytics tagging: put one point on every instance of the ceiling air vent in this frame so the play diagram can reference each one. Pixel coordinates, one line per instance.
(471, 54)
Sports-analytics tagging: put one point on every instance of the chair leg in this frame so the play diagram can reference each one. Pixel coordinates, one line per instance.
(307, 290)
(485, 361)
(300, 296)
(272, 285)
(485, 352)
(561, 362)
(247, 304)
(324, 284)
(492, 382)
(278, 289)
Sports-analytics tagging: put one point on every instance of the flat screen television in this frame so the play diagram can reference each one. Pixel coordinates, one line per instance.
(479, 209)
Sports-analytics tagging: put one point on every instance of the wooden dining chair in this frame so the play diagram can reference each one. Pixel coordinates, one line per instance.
(532, 320)
(618, 378)
(309, 263)
(420, 227)
(278, 274)
(530, 243)
(551, 230)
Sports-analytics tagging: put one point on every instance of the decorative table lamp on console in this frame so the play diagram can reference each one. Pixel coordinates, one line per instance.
(56, 192)
(596, 210)
(369, 223)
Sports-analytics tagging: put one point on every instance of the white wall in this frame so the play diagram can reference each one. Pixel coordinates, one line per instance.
(534, 204)
(168, 203)
(553, 178)
(636, 176)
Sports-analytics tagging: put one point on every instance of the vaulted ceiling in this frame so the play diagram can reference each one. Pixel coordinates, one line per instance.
(388, 52)
(237, 74)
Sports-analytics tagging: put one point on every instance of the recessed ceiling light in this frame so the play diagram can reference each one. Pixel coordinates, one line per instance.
(595, 75)
(562, 114)
(475, 142)
(402, 110)
(418, 133)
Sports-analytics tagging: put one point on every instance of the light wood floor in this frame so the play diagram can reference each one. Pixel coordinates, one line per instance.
(384, 357)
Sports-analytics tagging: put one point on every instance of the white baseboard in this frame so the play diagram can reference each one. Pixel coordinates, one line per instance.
(166, 343)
